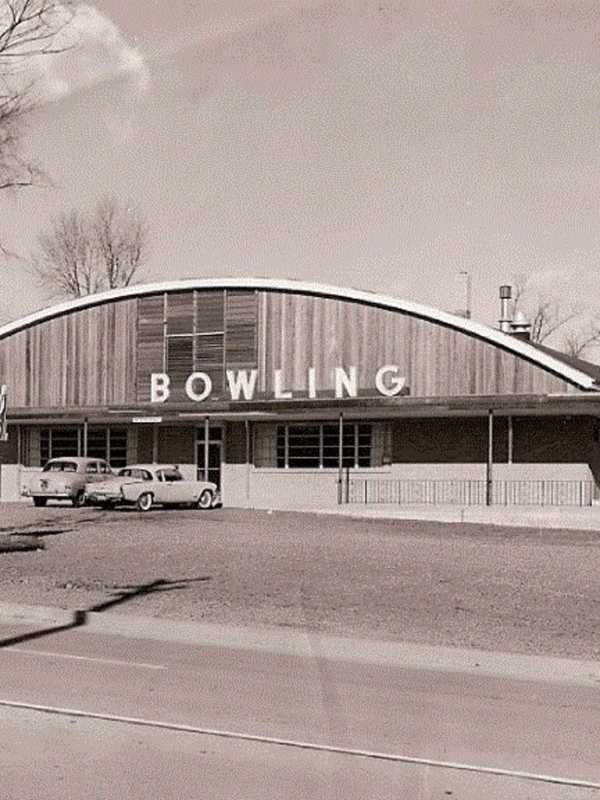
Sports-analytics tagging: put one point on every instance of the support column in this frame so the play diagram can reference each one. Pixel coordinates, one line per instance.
(84, 447)
(341, 459)
(155, 443)
(248, 466)
(510, 440)
(490, 460)
(206, 449)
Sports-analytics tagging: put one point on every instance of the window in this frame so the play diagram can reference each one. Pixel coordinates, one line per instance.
(103, 442)
(169, 475)
(172, 475)
(109, 444)
(316, 446)
(59, 443)
(92, 469)
(194, 338)
(60, 466)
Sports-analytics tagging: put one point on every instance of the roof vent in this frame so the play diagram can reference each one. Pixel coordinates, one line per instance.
(520, 327)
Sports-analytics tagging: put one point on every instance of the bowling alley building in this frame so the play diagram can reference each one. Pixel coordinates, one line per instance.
(291, 394)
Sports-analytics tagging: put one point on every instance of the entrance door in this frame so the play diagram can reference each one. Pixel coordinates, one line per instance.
(215, 445)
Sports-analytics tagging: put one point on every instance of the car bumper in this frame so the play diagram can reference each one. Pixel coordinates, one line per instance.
(105, 497)
(48, 494)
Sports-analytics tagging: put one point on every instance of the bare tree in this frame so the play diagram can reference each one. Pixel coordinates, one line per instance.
(28, 29)
(577, 328)
(85, 252)
(120, 237)
(577, 342)
(545, 313)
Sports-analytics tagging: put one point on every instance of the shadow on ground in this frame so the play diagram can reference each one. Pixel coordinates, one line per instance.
(120, 595)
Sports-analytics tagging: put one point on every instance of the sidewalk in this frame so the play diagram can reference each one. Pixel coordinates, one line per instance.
(559, 517)
(24, 622)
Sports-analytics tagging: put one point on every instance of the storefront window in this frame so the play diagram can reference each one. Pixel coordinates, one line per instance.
(59, 443)
(109, 444)
(316, 446)
(102, 442)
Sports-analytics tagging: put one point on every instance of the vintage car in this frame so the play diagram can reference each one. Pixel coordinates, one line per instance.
(65, 479)
(143, 485)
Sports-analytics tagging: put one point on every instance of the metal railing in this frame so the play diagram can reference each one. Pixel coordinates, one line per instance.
(467, 492)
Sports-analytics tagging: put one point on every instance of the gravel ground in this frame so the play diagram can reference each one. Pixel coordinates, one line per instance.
(514, 590)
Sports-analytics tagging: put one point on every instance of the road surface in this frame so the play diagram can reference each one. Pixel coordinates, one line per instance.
(99, 716)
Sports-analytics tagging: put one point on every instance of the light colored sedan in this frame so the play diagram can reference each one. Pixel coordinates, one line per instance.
(143, 485)
(66, 479)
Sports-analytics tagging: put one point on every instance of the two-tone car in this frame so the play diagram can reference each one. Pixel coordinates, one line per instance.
(65, 479)
(144, 485)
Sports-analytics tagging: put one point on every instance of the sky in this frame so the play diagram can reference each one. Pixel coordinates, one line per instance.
(387, 145)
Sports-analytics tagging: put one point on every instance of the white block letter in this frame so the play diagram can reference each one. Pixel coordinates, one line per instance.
(345, 381)
(279, 393)
(397, 384)
(242, 382)
(312, 383)
(159, 387)
(198, 397)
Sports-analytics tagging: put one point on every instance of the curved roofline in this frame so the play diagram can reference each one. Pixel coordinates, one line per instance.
(577, 377)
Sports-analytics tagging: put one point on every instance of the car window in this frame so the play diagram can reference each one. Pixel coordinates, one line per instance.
(92, 468)
(60, 466)
(172, 475)
(124, 473)
(104, 468)
(146, 476)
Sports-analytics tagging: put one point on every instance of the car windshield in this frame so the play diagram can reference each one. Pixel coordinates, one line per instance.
(60, 466)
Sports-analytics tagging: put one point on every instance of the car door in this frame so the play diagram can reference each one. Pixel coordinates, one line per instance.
(160, 489)
(174, 488)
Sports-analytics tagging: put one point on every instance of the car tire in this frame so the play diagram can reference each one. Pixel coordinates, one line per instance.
(78, 499)
(40, 502)
(205, 500)
(144, 501)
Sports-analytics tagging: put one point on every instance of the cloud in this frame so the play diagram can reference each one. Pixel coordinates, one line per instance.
(97, 52)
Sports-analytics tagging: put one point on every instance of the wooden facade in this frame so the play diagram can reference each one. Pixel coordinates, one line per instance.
(102, 356)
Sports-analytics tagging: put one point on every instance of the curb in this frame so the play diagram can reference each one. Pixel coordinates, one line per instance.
(469, 516)
(302, 643)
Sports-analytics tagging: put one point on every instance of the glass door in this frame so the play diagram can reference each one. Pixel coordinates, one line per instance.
(209, 455)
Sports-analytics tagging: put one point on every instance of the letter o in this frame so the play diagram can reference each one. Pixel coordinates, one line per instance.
(198, 397)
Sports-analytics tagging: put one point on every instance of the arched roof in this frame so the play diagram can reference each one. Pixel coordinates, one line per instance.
(579, 377)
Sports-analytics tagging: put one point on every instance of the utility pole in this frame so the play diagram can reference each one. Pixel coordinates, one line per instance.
(468, 288)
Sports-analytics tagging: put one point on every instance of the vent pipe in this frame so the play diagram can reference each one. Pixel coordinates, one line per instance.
(505, 319)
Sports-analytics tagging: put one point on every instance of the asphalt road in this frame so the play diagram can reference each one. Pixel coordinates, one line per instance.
(296, 707)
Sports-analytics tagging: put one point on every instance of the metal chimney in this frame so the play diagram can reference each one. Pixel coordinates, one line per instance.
(505, 318)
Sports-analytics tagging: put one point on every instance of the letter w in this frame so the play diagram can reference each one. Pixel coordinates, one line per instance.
(243, 382)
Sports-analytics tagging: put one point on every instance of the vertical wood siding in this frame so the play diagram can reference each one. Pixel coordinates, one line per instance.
(296, 332)
(86, 358)
(104, 356)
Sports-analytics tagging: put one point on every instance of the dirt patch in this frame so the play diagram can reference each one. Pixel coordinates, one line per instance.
(515, 590)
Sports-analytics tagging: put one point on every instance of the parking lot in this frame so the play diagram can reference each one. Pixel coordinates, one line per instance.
(519, 590)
